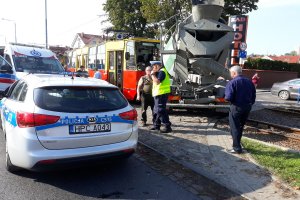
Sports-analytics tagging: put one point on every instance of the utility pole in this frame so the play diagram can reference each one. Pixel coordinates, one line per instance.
(46, 24)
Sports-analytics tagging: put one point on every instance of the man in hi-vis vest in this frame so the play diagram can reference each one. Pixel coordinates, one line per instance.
(160, 91)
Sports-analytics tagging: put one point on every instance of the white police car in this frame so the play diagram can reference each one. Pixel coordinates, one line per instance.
(52, 120)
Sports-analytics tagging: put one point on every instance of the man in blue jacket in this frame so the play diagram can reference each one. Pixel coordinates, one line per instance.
(241, 93)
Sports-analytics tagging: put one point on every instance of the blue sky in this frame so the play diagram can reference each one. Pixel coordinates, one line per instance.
(272, 29)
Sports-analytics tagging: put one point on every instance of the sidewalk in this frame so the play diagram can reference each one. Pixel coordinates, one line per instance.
(196, 144)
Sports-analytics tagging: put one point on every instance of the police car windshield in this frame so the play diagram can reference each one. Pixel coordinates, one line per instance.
(39, 65)
(79, 99)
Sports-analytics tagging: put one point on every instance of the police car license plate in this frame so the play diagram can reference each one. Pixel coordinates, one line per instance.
(90, 128)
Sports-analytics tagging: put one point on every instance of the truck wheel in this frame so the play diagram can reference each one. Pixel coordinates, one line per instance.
(284, 95)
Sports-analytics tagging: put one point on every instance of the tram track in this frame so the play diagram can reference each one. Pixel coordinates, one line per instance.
(271, 128)
(286, 110)
(286, 137)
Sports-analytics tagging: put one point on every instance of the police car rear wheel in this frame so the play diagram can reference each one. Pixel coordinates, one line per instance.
(8, 165)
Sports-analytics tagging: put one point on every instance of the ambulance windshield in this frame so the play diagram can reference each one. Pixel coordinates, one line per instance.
(41, 65)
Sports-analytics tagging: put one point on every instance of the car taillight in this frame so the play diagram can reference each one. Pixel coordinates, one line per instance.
(25, 119)
(130, 115)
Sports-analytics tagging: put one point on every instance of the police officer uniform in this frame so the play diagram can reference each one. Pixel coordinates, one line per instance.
(160, 93)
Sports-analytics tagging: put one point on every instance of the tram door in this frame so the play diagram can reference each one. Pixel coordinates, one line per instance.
(119, 71)
(115, 75)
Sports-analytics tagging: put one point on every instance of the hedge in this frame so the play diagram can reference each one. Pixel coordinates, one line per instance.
(263, 64)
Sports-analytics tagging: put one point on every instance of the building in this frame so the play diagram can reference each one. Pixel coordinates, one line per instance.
(82, 40)
(288, 59)
(61, 53)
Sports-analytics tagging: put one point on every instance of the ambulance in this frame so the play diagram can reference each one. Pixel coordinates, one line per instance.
(30, 59)
(7, 75)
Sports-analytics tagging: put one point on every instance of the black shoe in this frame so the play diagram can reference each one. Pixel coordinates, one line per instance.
(154, 129)
(234, 151)
(144, 124)
(166, 130)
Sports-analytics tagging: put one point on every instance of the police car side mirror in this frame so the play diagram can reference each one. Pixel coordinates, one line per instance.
(127, 55)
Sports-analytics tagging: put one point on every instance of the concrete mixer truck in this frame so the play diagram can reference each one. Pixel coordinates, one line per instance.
(195, 55)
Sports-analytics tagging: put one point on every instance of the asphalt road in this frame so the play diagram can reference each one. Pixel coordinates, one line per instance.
(127, 180)
(266, 99)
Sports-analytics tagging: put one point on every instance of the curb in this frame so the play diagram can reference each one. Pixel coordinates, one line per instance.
(191, 168)
(273, 145)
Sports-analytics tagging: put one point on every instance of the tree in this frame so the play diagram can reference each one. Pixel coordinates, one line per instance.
(292, 53)
(239, 7)
(126, 15)
(157, 10)
(139, 16)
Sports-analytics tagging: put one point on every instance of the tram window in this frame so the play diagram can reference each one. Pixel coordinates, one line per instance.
(73, 61)
(111, 60)
(100, 62)
(92, 57)
(130, 63)
(146, 52)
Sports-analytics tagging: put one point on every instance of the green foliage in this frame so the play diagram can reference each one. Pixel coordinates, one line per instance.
(263, 64)
(138, 16)
(126, 15)
(157, 10)
(284, 164)
(292, 53)
(239, 7)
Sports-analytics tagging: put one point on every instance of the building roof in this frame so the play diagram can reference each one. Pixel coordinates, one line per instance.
(59, 50)
(288, 59)
(87, 39)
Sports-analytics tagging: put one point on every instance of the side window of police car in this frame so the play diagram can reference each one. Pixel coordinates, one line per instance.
(16, 91)
(23, 93)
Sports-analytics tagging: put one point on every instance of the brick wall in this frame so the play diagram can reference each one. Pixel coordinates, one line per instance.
(267, 78)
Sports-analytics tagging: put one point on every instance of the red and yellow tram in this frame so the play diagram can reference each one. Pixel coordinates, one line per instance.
(120, 62)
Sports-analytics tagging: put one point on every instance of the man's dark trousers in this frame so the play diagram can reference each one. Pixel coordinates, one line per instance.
(147, 100)
(237, 119)
(160, 114)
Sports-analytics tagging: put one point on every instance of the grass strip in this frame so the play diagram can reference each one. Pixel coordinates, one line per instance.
(284, 164)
